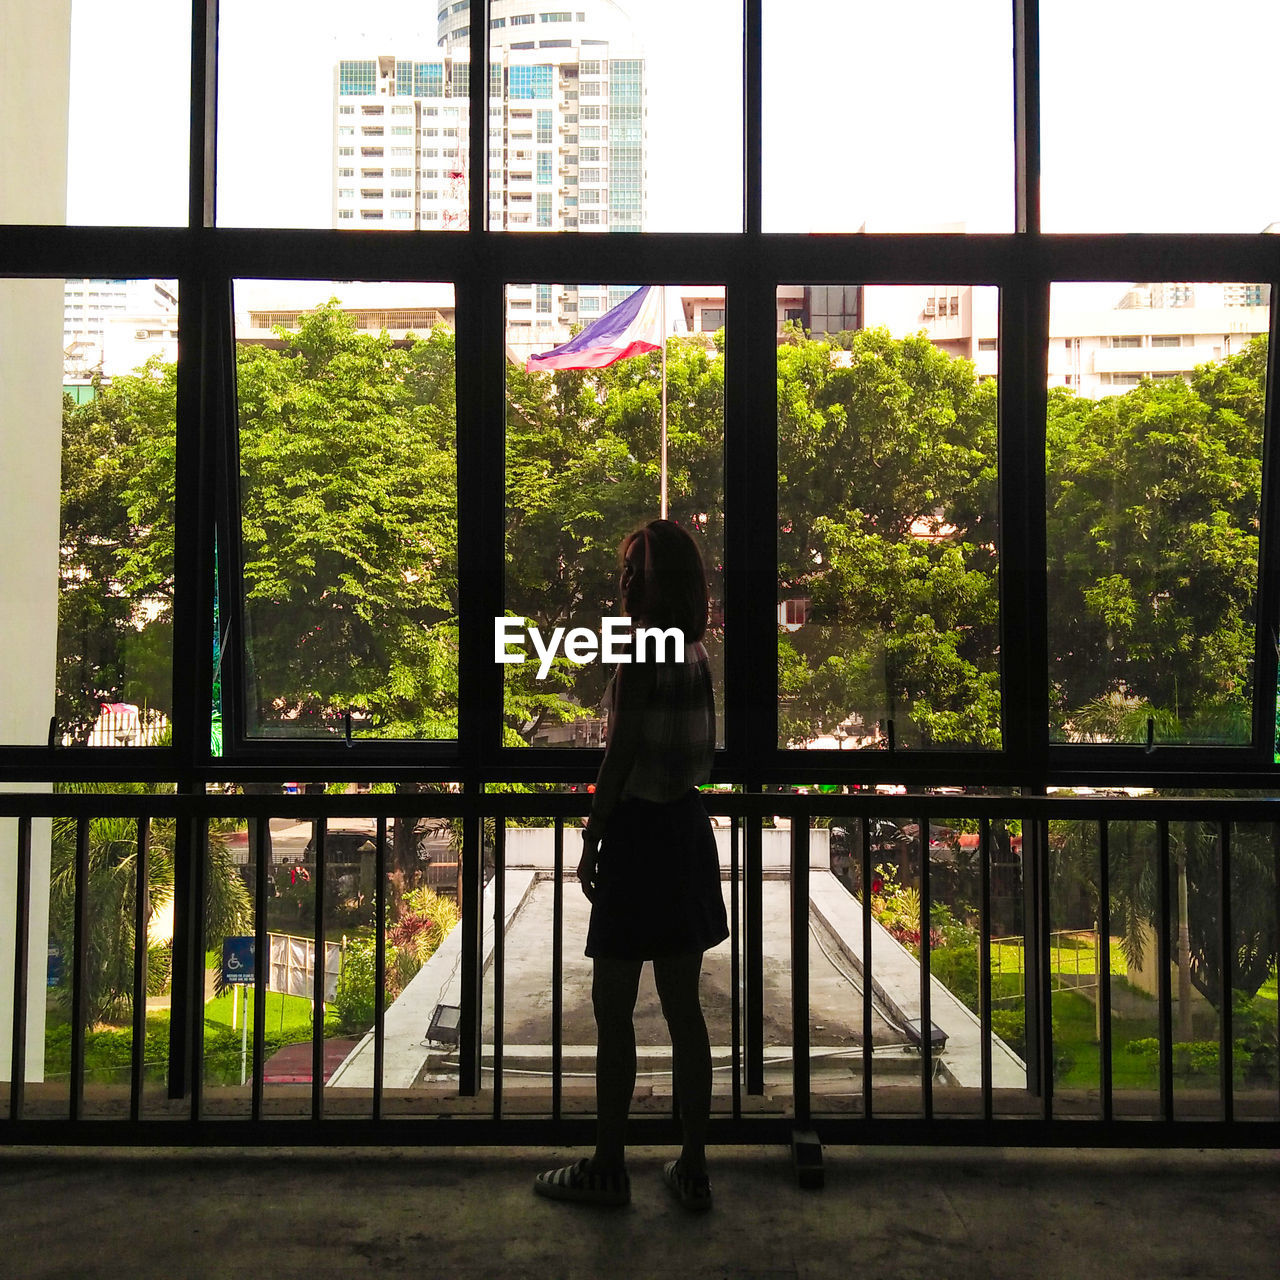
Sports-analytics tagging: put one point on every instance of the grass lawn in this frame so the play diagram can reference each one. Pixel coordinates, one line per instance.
(1066, 955)
(283, 1013)
(1075, 1026)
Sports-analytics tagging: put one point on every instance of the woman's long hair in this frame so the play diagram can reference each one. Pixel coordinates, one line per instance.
(673, 582)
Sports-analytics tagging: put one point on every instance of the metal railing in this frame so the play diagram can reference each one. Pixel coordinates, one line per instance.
(767, 1092)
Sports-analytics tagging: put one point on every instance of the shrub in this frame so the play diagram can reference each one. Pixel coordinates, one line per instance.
(957, 969)
(425, 920)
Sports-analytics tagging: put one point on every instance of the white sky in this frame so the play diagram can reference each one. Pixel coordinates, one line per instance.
(897, 115)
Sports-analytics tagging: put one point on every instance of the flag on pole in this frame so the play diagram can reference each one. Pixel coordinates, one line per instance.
(632, 328)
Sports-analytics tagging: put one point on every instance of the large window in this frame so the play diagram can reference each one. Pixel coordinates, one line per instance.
(994, 536)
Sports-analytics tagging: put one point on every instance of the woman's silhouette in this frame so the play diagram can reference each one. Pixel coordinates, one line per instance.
(650, 870)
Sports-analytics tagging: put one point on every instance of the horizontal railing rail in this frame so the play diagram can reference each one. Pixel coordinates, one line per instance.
(900, 925)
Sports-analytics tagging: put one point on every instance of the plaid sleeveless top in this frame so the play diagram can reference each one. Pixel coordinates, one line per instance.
(677, 733)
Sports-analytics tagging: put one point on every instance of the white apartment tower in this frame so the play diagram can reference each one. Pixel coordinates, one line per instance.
(566, 140)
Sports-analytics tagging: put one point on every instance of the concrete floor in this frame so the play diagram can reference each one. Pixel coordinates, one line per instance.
(894, 1212)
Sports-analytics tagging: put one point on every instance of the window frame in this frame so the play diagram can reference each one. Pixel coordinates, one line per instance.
(206, 258)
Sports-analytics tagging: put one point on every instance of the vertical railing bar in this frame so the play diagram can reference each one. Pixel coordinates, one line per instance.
(735, 971)
(21, 945)
(469, 1016)
(753, 908)
(199, 827)
(1226, 952)
(868, 980)
(1275, 872)
(318, 975)
(557, 974)
(79, 967)
(800, 1065)
(261, 959)
(379, 959)
(1164, 983)
(984, 964)
(1104, 967)
(926, 1002)
(141, 917)
(499, 954)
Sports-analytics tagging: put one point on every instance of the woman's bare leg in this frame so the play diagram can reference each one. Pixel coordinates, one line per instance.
(677, 982)
(613, 996)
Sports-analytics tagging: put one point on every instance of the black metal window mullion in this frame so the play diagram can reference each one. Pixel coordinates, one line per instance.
(1267, 617)
(1026, 115)
(752, 107)
(202, 162)
(478, 108)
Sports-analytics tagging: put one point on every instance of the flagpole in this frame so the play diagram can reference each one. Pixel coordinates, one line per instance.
(663, 479)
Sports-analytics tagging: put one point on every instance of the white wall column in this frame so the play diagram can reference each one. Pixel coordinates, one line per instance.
(35, 57)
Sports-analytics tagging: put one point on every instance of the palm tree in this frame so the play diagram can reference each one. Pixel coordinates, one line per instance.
(111, 890)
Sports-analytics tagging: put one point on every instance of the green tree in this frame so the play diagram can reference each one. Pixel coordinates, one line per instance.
(1153, 554)
(886, 461)
(349, 519)
(115, 627)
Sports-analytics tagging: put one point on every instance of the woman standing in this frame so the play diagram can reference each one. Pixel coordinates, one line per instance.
(651, 872)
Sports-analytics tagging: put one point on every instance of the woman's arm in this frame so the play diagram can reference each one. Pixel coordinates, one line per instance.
(633, 685)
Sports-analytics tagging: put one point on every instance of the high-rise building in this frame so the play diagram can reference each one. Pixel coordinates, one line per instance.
(566, 141)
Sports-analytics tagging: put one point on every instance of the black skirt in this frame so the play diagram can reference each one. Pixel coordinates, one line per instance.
(658, 885)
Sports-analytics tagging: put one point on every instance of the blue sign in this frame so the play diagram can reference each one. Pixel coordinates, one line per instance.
(237, 960)
(54, 973)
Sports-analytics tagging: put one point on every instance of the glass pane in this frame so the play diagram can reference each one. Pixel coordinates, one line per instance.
(895, 964)
(1196, 983)
(888, 594)
(348, 489)
(954, 896)
(1154, 457)
(86, 502)
(584, 469)
(1135, 1019)
(1148, 96)
(378, 121)
(589, 120)
(230, 964)
(48, 1036)
(93, 113)
(1255, 927)
(1011, 1056)
(857, 104)
(1075, 975)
